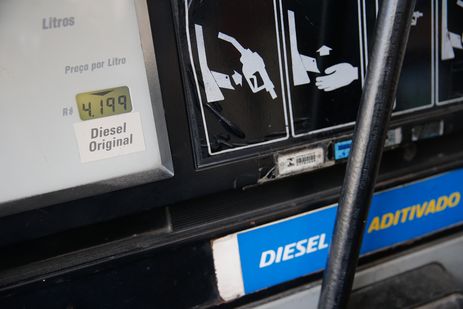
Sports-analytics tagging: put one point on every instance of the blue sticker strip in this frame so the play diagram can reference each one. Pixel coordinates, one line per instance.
(298, 246)
(342, 149)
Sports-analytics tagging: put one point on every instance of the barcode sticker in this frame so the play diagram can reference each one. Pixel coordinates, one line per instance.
(300, 161)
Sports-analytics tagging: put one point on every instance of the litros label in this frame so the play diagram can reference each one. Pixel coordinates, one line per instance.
(109, 137)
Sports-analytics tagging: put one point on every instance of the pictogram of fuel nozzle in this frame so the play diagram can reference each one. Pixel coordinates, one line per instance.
(253, 67)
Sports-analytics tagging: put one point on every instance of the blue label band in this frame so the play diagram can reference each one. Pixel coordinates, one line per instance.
(342, 149)
(287, 249)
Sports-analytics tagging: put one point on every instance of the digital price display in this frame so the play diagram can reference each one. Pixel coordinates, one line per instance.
(104, 103)
(98, 124)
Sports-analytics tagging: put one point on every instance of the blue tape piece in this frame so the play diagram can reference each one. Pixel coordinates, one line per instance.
(298, 246)
(342, 149)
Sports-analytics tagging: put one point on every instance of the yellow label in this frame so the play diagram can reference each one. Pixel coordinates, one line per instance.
(414, 212)
(104, 103)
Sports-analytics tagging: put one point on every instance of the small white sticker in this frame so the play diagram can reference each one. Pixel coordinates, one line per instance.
(300, 160)
(109, 137)
(227, 266)
(394, 137)
(428, 130)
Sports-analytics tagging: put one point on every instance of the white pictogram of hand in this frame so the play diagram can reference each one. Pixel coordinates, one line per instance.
(338, 75)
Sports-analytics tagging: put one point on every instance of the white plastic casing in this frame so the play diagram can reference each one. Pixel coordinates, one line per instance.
(43, 66)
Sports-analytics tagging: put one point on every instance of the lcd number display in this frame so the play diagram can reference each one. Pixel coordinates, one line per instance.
(104, 103)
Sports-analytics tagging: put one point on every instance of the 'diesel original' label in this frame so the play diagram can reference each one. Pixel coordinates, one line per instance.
(109, 137)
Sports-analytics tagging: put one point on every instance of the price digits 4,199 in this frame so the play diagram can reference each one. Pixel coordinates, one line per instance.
(108, 108)
(104, 103)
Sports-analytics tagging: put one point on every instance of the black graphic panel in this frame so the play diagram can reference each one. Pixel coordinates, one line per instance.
(450, 51)
(415, 90)
(324, 60)
(235, 59)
